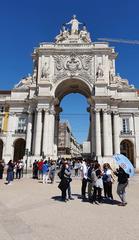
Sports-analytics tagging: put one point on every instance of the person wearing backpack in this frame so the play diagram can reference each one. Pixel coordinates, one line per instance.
(98, 184)
(122, 184)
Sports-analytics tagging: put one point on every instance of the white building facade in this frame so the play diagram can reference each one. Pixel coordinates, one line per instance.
(29, 113)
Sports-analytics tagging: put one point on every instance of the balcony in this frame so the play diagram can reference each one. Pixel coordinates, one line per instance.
(126, 132)
(20, 131)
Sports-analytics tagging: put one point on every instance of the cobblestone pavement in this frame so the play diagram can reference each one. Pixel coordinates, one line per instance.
(30, 210)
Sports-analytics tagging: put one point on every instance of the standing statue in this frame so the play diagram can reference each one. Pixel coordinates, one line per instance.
(74, 25)
(99, 73)
(44, 72)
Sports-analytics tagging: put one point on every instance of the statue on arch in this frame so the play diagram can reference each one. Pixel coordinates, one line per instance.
(99, 72)
(84, 35)
(74, 25)
(63, 35)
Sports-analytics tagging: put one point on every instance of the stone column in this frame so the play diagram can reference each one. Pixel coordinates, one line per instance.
(52, 150)
(38, 132)
(136, 153)
(116, 132)
(107, 133)
(92, 122)
(9, 148)
(98, 133)
(29, 132)
(45, 132)
(57, 118)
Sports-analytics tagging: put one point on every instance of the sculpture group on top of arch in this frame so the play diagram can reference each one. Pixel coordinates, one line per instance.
(79, 35)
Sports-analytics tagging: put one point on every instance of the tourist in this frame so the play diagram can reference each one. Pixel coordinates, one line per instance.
(45, 171)
(98, 186)
(68, 176)
(18, 168)
(10, 172)
(40, 164)
(122, 184)
(65, 180)
(35, 169)
(107, 181)
(90, 181)
(52, 171)
(1, 169)
(84, 179)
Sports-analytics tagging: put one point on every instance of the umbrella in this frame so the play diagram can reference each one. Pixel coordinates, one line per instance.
(124, 163)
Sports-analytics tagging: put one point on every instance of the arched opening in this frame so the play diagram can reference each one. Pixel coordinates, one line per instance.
(19, 149)
(1, 149)
(127, 149)
(73, 108)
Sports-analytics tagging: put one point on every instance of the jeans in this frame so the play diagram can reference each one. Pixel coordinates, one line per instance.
(45, 177)
(121, 191)
(10, 176)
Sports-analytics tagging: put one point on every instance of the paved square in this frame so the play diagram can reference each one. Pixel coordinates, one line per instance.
(30, 210)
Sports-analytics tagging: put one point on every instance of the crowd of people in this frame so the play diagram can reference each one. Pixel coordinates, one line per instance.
(14, 170)
(96, 179)
(44, 170)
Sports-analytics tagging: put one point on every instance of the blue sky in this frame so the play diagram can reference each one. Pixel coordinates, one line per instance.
(24, 24)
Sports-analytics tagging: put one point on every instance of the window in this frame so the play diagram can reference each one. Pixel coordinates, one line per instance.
(22, 125)
(126, 128)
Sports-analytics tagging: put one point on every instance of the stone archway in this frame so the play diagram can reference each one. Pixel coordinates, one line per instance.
(1, 149)
(82, 87)
(19, 149)
(127, 149)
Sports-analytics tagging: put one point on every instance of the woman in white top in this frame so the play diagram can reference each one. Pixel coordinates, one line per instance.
(108, 180)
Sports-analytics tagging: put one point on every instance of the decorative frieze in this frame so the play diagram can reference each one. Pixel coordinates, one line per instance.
(73, 65)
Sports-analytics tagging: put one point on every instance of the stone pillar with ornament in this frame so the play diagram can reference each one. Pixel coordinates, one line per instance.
(9, 147)
(116, 132)
(29, 132)
(136, 125)
(52, 151)
(45, 132)
(98, 133)
(107, 133)
(38, 136)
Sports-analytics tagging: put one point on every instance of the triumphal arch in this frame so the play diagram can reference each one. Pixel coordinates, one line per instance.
(73, 63)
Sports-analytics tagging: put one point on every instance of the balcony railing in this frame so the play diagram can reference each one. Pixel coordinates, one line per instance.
(126, 132)
(20, 131)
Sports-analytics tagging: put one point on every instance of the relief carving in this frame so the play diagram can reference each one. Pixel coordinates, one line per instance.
(73, 65)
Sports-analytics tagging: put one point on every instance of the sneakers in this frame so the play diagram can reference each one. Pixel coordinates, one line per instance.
(71, 198)
(122, 204)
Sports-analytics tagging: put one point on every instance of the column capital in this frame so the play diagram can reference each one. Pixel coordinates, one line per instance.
(39, 110)
(136, 114)
(106, 111)
(115, 112)
(97, 110)
(52, 111)
(46, 110)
